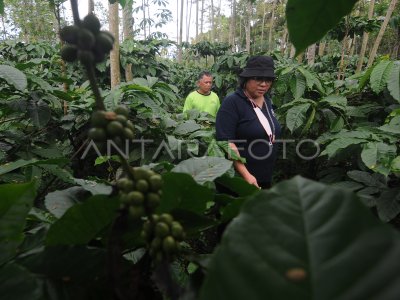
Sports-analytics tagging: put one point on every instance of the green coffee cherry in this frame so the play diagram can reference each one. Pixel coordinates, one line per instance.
(136, 198)
(92, 23)
(85, 57)
(115, 128)
(86, 39)
(161, 230)
(156, 182)
(166, 218)
(69, 53)
(136, 211)
(153, 200)
(69, 34)
(142, 185)
(169, 244)
(99, 119)
(122, 110)
(97, 134)
(104, 42)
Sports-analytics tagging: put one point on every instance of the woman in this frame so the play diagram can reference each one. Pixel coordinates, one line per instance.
(246, 119)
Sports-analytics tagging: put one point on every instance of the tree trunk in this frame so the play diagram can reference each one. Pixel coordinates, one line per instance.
(114, 55)
(311, 54)
(202, 17)
(90, 6)
(232, 26)
(374, 49)
(263, 25)
(212, 31)
(180, 34)
(292, 51)
(365, 39)
(321, 48)
(247, 28)
(188, 19)
(197, 19)
(271, 25)
(144, 18)
(127, 25)
(284, 43)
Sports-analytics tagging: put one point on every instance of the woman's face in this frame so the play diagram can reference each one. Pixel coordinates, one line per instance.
(257, 86)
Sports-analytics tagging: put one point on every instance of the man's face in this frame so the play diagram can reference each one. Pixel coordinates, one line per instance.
(205, 84)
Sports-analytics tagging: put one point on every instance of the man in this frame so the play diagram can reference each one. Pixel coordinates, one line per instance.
(203, 99)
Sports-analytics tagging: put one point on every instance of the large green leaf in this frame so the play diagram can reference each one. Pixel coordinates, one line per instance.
(380, 75)
(77, 263)
(304, 240)
(393, 81)
(11, 166)
(83, 221)
(340, 144)
(180, 191)
(296, 116)
(39, 112)
(237, 185)
(309, 20)
(297, 85)
(378, 156)
(17, 283)
(16, 201)
(13, 76)
(205, 168)
(58, 202)
(186, 127)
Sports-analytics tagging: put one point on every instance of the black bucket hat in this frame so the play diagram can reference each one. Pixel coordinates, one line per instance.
(260, 66)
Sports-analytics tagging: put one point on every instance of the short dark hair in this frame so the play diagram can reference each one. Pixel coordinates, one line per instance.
(204, 73)
(242, 81)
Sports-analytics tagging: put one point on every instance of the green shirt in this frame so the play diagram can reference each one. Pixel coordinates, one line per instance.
(209, 103)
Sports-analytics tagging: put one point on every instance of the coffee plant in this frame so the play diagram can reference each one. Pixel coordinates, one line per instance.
(79, 221)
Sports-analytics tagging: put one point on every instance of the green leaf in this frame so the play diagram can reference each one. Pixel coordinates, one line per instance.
(62, 95)
(393, 81)
(365, 178)
(16, 201)
(395, 164)
(83, 221)
(337, 101)
(204, 169)
(180, 191)
(59, 202)
(192, 222)
(94, 187)
(1, 7)
(297, 85)
(39, 112)
(186, 127)
(340, 144)
(380, 75)
(296, 116)
(11, 166)
(310, 227)
(309, 20)
(79, 264)
(388, 205)
(16, 282)
(237, 185)
(393, 126)
(378, 156)
(13, 76)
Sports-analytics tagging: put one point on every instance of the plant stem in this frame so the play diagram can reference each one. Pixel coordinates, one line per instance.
(75, 12)
(95, 87)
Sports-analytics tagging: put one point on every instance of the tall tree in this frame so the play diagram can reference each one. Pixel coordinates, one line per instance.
(271, 24)
(232, 26)
(197, 19)
(212, 31)
(365, 38)
(90, 6)
(377, 42)
(127, 29)
(248, 24)
(311, 54)
(114, 55)
(180, 33)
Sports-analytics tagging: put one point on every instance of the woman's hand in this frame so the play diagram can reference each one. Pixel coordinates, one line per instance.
(251, 179)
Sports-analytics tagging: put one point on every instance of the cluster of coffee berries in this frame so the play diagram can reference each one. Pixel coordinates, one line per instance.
(143, 194)
(111, 125)
(85, 41)
(163, 236)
